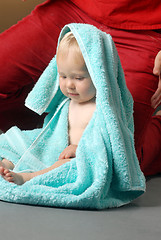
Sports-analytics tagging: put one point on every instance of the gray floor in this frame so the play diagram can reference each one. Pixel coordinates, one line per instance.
(141, 220)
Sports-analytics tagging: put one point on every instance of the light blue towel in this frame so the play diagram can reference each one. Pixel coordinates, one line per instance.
(105, 172)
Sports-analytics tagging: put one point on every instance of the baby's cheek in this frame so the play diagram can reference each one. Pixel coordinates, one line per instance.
(62, 88)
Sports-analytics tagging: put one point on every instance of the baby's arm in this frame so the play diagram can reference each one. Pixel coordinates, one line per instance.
(69, 152)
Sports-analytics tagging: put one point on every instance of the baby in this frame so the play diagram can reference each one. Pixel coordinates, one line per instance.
(75, 83)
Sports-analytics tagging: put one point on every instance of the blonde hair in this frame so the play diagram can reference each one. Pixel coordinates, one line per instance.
(69, 42)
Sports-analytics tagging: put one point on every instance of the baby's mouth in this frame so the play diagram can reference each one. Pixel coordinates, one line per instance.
(73, 94)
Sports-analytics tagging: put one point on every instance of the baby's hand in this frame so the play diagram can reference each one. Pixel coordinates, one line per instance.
(69, 152)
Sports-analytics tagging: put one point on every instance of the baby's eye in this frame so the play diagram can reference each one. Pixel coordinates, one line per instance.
(79, 78)
(63, 77)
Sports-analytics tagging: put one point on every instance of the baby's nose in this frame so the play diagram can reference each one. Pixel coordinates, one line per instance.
(70, 83)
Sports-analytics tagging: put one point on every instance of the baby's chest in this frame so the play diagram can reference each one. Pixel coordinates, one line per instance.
(78, 122)
(76, 128)
(79, 117)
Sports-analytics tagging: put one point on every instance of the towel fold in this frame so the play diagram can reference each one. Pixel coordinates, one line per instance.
(105, 172)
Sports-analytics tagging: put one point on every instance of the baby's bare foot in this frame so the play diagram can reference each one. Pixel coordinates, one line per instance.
(17, 178)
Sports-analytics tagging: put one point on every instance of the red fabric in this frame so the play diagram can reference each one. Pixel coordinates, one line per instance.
(137, 51)
(150, 150)
(27, 48)
(123, 14)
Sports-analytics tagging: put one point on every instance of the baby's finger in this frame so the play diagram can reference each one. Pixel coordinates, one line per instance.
(70, 155)
(62, 155)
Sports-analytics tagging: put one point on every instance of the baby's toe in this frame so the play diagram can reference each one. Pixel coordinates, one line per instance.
(6, 171)
(8, 174)
(1, 170)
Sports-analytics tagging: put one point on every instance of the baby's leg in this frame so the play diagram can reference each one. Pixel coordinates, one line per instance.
(21, 178)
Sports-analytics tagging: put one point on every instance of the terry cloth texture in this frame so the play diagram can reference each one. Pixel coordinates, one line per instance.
(105, 172)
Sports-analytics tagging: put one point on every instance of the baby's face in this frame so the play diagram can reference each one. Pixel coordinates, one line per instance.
(74, 79)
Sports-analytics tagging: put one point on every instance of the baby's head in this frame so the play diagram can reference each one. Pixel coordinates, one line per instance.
(68, 44)
(74, 79)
